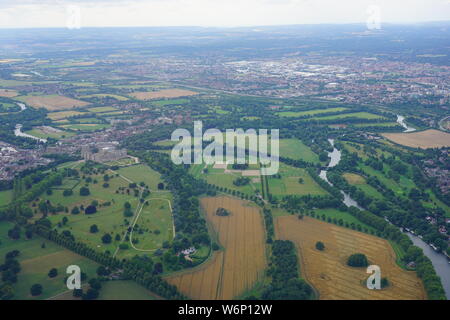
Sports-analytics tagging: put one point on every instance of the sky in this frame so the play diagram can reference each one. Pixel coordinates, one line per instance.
(220, 13)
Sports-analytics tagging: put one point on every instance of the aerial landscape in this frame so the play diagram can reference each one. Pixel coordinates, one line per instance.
(357, 126)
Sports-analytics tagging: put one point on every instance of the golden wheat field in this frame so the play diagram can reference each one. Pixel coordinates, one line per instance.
(53, 102)
(167, 93)
(423, 139)
(327, 270)
(235, 269)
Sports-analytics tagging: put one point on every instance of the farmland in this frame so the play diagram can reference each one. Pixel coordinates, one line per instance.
(240, 264)
(166, 93)
(424, 139)
(52, 102)
(293, 181)
(63, 115)
(293, 114)
(327, 270)
(359, 115)
(296, 149)
(8, 93)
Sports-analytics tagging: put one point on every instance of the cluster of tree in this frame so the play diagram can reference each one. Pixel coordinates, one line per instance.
(241, 181)
(131, 270)
(9, 270)
(285, 284)
(222, 212)
(357, 260)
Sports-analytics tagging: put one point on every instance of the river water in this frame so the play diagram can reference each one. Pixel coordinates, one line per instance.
(18, 130)
(401, 121)
(439, 261)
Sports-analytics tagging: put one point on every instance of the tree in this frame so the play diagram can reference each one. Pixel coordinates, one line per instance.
(320, 246)
(95, 284)
(77, 293)
(102, 271)
(160, 186)
(75, 210)
(91, 294)
(93, 228)
(67, 193)
(90, 209)
(84, 191)
(36, 289)
(53, 273)
(106, 238)
(357, 260)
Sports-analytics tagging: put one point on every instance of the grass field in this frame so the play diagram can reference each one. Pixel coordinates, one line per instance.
(327, 270)
(143, 173)
(296, 149)
(44, 134)
(165, 93)
(85, 126)
(293, 114)
(289, 183)
(124, 290)
(5, 197)
(52, 102)
(239, 265)
(105, 95)
(359, 115)
(8, 93)
(154, 225)
(102, 109)
(423, 139)
(36, 262)
(110, 219)
(63, 115)
(162, 103)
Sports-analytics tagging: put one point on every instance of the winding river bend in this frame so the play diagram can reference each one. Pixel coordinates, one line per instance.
(18, 130)
(401, 121)
(439, 261)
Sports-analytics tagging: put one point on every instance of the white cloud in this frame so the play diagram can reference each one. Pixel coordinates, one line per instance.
(52, 13)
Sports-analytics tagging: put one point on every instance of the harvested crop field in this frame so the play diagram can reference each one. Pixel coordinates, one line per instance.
(242, 262)
(423, 139)
(53, 102)
(8, 93)
(167, 93)
(353, 178)
(327, 270)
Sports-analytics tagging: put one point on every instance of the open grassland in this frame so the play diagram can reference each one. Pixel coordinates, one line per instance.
(377, 124)
(354, 179)
(45, 134)
(240, 264)
(222, 179)
(290, 183)
(142, 173)
(5, 197)
(423, 139)
(109, 219)
(154, 225)
(293, 114)
(8, 93)
(124, 290)
(102, 109)
(52, 102)
(36, 262)
(296, 149)
(85, 126)
(166, 93)
(327, 270)
(359, 115)
(105, 95)
(63, 115)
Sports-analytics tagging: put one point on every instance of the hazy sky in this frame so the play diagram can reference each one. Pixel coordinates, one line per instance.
(55, 13)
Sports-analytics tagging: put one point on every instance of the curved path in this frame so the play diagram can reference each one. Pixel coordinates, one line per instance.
(137, 218)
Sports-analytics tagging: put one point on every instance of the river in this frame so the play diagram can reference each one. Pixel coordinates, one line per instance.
(439, 261)
(335, 158)
(18, 130)
(401, 121)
